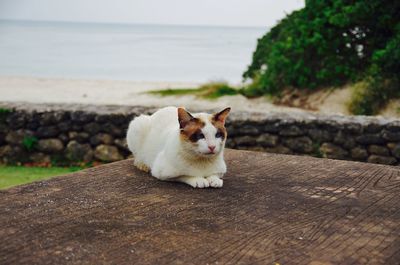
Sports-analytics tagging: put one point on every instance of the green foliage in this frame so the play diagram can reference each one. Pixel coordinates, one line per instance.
(316, 150)
(29, 142)
(329, 43)
(361, 102)
(215, 90)
(59, 160)
(369, 96)
(210, 90)
(4, 113)
(254, 89)
(382, 82)
(174, 92)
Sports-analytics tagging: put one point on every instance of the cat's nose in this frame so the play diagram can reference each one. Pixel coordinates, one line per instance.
(211, 147)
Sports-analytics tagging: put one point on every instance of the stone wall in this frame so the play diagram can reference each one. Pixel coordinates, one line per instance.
(68, 134)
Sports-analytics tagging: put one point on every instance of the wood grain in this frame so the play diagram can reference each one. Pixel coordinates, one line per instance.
(272, 209)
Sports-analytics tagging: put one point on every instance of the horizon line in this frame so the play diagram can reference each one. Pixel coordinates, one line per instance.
(129, 23)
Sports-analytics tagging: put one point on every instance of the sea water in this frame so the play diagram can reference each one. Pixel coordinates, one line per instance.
(126, 52)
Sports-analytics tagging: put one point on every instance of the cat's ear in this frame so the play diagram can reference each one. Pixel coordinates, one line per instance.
(184, 117)
(221, 116)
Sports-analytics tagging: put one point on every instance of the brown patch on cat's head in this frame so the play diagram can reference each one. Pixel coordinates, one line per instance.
(190, 126)
(218, 120)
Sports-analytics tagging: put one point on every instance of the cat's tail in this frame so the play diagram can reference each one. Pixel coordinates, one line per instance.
(137, 131)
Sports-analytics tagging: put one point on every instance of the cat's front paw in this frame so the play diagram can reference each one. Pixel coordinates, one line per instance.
(200, 183)
(215, 181)
(195, 182)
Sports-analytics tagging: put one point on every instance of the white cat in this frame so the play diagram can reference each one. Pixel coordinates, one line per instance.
(178, 146)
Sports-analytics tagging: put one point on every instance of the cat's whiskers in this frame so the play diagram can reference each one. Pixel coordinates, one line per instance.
(194, 158)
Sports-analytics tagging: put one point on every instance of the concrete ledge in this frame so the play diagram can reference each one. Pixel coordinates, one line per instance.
(272, 209)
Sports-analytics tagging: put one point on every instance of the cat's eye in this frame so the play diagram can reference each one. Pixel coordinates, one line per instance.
(197, 136)
(218, 134)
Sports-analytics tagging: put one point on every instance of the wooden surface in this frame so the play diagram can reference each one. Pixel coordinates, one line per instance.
(272, 209)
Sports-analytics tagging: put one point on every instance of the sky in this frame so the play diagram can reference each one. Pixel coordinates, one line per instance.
(264, 13)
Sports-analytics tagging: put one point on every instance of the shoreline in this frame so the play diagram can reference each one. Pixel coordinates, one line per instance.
(43, 90)
(40, 90)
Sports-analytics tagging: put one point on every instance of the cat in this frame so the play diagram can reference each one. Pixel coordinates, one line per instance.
(175, 145)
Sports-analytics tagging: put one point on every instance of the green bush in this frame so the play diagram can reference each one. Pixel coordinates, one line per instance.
(329, 43)
(382, 82)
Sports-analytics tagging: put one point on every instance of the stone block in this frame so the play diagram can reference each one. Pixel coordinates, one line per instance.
(330, 150)
(370, 139)
(291, 130)
(107, 153)
(359, 153)
(378, 150)
(299, 144)
(267, 140)
(387, 160)
(319, 135)
(101, 138)
(53, 145)
(78, 152)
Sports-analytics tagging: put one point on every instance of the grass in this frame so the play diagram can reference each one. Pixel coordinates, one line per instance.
(16, 175)
(370, 96)
(211, 90)
(362, 100)
(174, 92)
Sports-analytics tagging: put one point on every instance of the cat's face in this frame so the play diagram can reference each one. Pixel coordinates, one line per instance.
(203, 134)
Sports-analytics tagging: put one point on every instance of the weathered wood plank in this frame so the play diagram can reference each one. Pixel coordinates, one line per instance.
(272, 208)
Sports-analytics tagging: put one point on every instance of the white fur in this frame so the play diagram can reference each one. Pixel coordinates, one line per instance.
(156, 144)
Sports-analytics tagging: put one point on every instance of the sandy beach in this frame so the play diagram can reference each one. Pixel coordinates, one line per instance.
(114, 92)
(101, 92)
